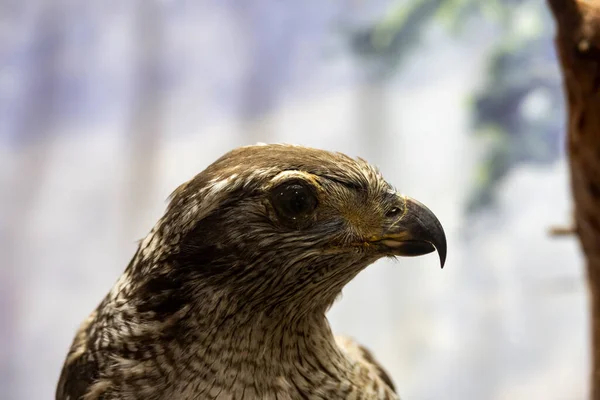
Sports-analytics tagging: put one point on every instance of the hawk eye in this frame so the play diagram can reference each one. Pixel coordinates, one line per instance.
(394, 212)
(293, 200)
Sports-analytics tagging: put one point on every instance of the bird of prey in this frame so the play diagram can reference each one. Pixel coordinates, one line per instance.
(226, 296)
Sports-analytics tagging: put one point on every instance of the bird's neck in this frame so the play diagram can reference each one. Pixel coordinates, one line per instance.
(262, 352)
(267, 336)
(219, 339)
(202, 320)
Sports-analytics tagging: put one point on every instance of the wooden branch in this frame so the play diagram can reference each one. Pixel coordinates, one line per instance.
(578, 45)
(556, 231)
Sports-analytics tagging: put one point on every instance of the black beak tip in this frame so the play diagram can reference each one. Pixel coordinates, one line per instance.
(442, 254)
(441, 248)
(427, 247)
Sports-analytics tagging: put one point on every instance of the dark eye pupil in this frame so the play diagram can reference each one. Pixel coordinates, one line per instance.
(297, 201)
(294, 200)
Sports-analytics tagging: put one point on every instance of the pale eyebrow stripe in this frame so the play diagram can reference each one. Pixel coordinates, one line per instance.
(346, 183)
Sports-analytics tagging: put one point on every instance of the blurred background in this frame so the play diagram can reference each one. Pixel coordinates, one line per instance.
(106, 106)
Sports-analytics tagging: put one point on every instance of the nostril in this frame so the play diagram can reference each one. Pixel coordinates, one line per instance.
(394, 212)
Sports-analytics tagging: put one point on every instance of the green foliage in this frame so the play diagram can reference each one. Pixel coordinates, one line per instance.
(385, 44)
(517, 112)
(521, 99)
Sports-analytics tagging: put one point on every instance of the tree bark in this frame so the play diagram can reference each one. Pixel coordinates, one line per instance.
(578, 45)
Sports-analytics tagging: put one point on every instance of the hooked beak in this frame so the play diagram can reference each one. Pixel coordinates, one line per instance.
(416, 232)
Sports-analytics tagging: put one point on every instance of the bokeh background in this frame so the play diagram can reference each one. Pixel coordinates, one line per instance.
(106, 106)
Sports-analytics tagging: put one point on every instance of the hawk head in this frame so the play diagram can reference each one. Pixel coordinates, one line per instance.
(279, 227)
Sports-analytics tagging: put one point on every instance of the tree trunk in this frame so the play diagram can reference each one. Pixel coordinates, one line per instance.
(578, 45)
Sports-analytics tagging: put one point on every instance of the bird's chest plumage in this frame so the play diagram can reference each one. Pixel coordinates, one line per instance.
(256, 368)
(288, 383)
(190, 358)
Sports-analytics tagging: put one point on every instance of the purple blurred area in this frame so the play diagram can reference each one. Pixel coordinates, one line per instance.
(107, 106)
